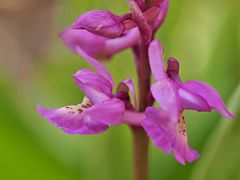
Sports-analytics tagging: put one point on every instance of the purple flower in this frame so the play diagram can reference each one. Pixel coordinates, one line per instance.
(98, 110)
(167, 126)
(102, 34)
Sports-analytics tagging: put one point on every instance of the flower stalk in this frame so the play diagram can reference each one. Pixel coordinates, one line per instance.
(140, 153)
(140, 138)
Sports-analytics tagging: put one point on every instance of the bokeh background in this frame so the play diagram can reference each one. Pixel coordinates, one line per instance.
(36, 68)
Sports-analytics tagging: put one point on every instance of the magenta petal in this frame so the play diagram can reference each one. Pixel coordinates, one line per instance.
(165, 93)
(183, 153)
(96, 87)
(155, 53)
(98, 46)
(158, 129)
(127, 40)
(97, 65)
(100, 22)
(191, 101)
(71, 121)
(109, 112)
(88, 42)
(209, 94)
(128, 85)
(165, 135)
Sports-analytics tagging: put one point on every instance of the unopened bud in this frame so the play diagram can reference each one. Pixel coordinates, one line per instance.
(100, 22)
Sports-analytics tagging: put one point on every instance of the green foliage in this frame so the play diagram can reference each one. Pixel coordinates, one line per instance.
(220, 158)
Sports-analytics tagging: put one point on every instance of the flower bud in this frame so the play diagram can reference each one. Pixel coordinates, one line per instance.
(100, 22)
(141, 22)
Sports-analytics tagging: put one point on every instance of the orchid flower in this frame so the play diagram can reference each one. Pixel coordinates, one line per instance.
(167, 126)
(102, 34)
(99, 109)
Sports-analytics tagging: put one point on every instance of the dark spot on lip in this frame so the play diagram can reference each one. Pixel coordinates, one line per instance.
(84, 106)
(71, 112)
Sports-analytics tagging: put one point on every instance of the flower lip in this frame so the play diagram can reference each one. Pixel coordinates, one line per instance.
(85, 118)
(168, 135)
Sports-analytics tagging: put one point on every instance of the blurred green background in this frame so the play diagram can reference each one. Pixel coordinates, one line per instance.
(36, 68)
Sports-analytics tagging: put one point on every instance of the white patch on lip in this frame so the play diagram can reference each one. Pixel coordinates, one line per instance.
(78, 108)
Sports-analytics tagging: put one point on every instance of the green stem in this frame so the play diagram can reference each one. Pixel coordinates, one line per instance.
(140, 154)
(140, 138)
